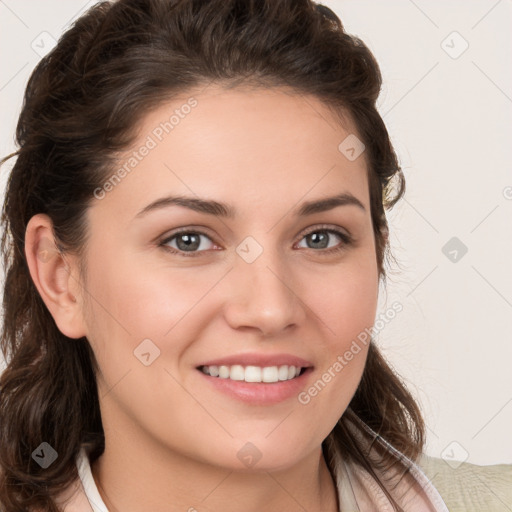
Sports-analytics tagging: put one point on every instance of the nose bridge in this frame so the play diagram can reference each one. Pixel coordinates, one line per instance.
(263, 289)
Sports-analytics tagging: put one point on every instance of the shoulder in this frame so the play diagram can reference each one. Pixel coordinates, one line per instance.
(375, 486)
(469, 487)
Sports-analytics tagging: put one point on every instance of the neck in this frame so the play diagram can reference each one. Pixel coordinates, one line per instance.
(139, 482)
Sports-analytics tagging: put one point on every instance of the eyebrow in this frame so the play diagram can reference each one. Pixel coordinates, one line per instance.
(220, 209)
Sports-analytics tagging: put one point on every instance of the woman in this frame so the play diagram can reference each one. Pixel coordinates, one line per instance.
(195, 233)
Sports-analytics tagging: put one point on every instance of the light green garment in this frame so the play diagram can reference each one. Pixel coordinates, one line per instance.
(431, 484)
(469, 487)
(358, 491)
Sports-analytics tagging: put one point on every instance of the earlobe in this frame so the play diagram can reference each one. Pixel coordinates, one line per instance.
(55, 278)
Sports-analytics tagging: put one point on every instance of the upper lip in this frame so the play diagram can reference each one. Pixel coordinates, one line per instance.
(252, 359)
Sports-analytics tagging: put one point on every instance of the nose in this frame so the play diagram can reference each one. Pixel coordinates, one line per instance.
(264, 296)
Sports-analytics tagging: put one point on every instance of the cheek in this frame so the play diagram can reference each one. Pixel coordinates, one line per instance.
(129, 303)
(140, 299)
(348, 303)
(132, 300)
(347, 311)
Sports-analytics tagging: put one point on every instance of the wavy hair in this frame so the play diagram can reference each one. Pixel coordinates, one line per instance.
(82, 105)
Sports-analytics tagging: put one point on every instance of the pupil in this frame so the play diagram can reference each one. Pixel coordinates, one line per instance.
(190, 241)
(316, 238)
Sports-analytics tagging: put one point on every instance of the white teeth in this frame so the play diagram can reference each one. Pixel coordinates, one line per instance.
(269, 374)
(253, 373)
(223, 371)
(237, 372)
(283, 372)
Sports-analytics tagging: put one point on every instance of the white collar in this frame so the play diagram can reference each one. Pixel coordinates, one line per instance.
(91, 491)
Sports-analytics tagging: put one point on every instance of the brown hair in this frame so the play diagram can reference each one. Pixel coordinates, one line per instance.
(82, 105)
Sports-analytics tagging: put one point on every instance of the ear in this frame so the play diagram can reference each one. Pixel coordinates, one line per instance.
(55, 276)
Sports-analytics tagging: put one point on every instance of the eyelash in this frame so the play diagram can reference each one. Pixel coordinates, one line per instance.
(346, 240)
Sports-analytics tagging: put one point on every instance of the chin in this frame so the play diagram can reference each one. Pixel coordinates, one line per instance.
(262, 454)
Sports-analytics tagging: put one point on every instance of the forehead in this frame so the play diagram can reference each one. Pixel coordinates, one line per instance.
(261, 112)
(263, 145)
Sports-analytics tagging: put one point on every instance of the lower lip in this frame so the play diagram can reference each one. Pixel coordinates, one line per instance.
(260, 393)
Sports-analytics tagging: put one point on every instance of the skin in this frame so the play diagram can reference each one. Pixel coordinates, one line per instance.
(171, 440)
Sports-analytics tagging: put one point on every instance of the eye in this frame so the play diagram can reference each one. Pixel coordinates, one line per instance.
(320, 238)
(186, 242)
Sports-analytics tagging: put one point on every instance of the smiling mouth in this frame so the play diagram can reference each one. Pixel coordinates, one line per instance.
(261, 374)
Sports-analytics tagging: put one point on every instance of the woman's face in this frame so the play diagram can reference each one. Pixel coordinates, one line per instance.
(270, 285)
